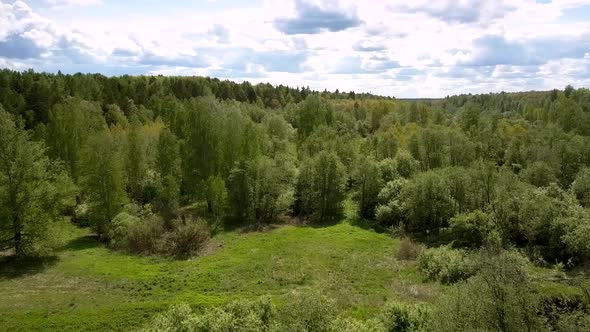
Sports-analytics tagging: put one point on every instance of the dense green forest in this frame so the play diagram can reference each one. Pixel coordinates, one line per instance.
(486, 197)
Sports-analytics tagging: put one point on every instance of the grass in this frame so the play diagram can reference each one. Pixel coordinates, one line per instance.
(89, 287)
(92, 288)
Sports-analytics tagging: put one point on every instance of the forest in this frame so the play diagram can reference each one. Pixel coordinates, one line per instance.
(159, 203)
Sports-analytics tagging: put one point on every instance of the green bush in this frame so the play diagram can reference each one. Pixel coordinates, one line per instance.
(145, 237)
(345, 324)
(498, 298)
(581, 187)
(397, 317)
(309, 311)
(446, 265)
(238, 316)
(119, 229)
(187, 239)
(470, 229)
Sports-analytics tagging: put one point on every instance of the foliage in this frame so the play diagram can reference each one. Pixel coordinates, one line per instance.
(446, 265)
(470, 229)
(499, 298)
(390, 211)
(409, 249)
(187, 239)
(119, 230)
(34, 191)
(581, 187)
(398, 317)
(367, 184)
(320, 187)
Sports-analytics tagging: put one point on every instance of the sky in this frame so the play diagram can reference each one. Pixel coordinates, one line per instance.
(406, 49)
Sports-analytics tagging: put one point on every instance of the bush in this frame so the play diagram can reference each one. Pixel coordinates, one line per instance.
(344, 324)
(581, 187)
(390, 211)
(307, 312)
(408, 250)
(446, 265)
(470, 229)
(187, 239)
(239, 316)
(539, 174)
(397, 317)
(499, 298)
(145, 237)
(119, 229)
(178, 319)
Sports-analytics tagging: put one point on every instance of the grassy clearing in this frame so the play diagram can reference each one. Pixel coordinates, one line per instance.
(90, 287)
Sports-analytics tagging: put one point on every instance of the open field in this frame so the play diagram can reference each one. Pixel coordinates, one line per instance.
(90, 287)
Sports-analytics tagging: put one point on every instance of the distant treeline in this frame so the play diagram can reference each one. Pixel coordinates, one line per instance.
(33, 94)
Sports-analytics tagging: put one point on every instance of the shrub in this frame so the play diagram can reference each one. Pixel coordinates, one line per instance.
(309, 311)
(145, 237)
(178, 319)
(390, 211)
(187, 239)
(119, 229)
(539, 174)
(345, 324)
(397, 317)
(499, 298)
(242, 316)
(238, 316)
(581, 187)
(446, 265)
(408, 250)
(470, 229)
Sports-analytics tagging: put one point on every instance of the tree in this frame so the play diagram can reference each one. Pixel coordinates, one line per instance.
(367, 184)
(216, 196)
(499, 298)
(104, 180)
(321, 186)
(168, 164)
(33, 190)
(406, 164)
(70, 125)
(239, 191)
(136, 162)
(581, 187)
(428, 202)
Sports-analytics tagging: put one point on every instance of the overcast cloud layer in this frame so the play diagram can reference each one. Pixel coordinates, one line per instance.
(400, 48)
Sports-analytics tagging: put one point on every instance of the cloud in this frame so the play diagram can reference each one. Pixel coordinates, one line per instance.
(73, 3)
(123, 52)
(364, 46)
(192, 61)
(457, 11)
(17, 46)
(221, 33)
(497, 50)
(312, 19)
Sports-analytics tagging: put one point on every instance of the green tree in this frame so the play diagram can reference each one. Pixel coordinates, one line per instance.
(581, 187)
(136, 162)
(367, 184)
(70, 125)
(239, 190)
(428, 202)
(33, 190)
(216, 196)
(168, 163)
(104, 180)
(321, 186)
